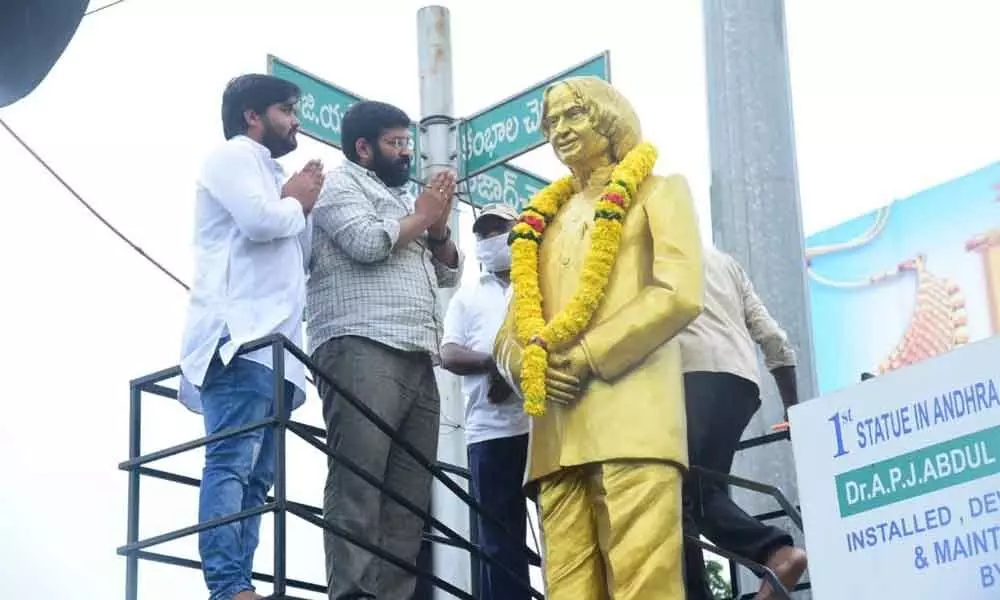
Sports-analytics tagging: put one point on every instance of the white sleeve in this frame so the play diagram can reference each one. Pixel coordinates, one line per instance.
(455, 322)
(232, 177)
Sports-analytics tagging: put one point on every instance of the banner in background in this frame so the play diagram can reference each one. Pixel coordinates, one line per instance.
(912, 280)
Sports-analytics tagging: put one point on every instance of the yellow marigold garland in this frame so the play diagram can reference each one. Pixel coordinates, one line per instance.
(534, 335)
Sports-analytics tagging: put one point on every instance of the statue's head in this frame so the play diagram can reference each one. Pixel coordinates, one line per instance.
(588, 122)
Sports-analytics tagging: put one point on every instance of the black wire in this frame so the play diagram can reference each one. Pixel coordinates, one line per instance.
(79, 198)
(90, 208)
(100, 8)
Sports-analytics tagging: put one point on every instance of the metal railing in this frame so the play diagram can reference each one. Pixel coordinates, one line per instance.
(278, 504)
(787, 510)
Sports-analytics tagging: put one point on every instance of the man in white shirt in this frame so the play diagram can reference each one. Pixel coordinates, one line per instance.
(719, 357)
(496, 427)
(251, 238)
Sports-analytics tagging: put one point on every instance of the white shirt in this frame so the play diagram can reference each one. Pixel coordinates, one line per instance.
(249, 282)
(724, 337)
(474, 317)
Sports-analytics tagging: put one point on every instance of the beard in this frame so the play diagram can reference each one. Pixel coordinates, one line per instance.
(278, 144)
(394, 172)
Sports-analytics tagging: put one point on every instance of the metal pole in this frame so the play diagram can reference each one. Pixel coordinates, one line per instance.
(281, 409)
(439, 152)
(756, 215)
(132, 531)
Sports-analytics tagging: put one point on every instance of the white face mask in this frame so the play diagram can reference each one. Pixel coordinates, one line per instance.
(494, 254)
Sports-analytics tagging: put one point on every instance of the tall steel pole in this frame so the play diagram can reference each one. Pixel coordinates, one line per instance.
(756, 214)
(439, 153)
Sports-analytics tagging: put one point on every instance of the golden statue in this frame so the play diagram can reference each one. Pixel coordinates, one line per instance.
(607, 268)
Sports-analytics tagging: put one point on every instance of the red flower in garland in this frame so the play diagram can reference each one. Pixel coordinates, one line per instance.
(534, 222)
(615, 198)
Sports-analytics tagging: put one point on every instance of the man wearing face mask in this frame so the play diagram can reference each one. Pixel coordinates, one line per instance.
(374, 325)
(496, 427)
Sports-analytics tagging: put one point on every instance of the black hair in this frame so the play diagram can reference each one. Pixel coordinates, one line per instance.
(252, 92)
(367, 120)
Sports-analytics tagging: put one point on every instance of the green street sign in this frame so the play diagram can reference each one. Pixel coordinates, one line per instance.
(503, 183)
(513, 127)
(322, 106)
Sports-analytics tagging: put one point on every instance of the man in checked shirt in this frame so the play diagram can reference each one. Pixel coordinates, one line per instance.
(375, 325)
(719, 358)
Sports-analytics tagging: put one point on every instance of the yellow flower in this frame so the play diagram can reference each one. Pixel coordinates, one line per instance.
(536, 336)
(533, 365)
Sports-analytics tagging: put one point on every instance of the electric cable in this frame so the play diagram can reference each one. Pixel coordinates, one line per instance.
(100, 8)
(93, 211)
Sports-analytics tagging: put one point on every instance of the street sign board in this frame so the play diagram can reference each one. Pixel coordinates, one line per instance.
(322, 106)
(513, 127)
(503, 183)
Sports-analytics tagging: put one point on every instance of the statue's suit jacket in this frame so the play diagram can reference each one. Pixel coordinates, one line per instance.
(633, 407)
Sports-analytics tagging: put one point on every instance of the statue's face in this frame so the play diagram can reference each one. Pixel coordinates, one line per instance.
(571, 129)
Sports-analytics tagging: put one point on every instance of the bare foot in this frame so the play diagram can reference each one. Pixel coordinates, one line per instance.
(248, 595)
(788, 564)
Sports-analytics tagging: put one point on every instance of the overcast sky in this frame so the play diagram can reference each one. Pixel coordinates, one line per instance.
(890, 97)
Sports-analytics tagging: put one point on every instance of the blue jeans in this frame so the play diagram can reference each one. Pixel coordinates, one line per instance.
(238, 472)
(496, 470)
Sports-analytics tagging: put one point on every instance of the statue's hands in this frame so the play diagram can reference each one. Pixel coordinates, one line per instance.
(567, 375)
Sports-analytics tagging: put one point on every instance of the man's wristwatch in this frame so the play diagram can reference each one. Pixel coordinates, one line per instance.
(434, 242)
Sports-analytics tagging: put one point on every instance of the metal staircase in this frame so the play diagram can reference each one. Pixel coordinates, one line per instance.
(787, 510)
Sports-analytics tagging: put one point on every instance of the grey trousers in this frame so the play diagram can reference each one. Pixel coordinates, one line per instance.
(400, 388)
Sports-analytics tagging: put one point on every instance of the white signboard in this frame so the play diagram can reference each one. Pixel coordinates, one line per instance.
(899, 481)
